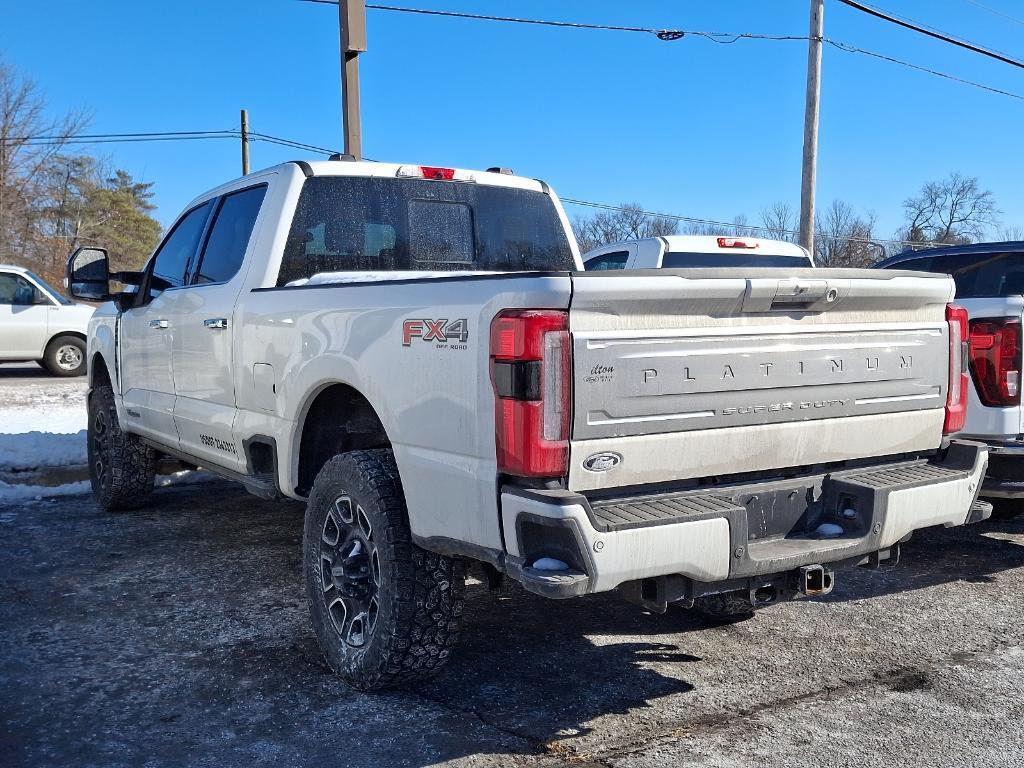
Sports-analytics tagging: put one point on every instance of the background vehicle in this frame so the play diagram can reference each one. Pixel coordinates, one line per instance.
(696, 251)
(37, 323)
(414, 351)
(990, 286)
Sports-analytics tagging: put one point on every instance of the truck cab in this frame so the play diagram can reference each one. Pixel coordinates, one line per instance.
(696, 252)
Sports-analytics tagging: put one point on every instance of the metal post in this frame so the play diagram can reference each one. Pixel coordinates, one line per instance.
(352, 20)
(245, 142)
(811, 110)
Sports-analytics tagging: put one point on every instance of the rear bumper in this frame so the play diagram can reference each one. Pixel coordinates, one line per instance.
(739, 531)
(1005, 476)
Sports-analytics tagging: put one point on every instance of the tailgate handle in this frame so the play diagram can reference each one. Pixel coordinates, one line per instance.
(790, 294)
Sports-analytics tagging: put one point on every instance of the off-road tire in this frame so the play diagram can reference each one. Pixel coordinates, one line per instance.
(419, 594)
(725, 608)
(121, 467)
(65, 356)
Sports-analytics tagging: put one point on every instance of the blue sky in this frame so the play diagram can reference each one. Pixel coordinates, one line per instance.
(689, 127)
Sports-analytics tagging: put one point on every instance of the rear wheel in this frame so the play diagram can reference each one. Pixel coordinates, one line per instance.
(65, 356)
(385, 611)
(121, 467)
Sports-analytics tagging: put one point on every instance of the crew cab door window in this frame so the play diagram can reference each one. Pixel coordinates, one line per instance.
(606, 261)
(172, 258)
(229, 236)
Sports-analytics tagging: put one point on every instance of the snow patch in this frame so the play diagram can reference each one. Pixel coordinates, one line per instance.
(62, 418)
(34, 450)
(17, 492)
(829, 530)
(549, 564)
(326, 278)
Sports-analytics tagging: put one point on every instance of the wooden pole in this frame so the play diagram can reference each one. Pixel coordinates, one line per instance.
(352, 22)
(812, 105)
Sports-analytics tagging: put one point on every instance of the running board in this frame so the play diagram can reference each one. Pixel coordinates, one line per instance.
(263, 485)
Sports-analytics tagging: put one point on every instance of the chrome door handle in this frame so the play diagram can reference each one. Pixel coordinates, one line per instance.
(215, 323)
(157, 325)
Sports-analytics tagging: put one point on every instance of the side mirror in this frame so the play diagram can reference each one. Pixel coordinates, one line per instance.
(88, 274)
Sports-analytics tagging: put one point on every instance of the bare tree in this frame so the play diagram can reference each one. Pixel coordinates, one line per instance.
(24, 159)
(627, 222)
(842, 238)
(1011, 233)
(954, 210)
(779, 222)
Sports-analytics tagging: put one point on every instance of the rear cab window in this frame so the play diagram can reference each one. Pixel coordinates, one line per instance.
(360, 224)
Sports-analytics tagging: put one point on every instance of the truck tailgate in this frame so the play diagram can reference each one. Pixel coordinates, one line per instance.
(699, 373)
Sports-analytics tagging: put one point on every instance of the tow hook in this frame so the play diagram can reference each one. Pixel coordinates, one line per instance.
(814, 580)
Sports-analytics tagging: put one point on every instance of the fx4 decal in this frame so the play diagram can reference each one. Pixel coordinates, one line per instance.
(444, 333)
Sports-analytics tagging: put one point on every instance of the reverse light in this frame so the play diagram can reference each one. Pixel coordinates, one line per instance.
(956, 393)
(996, 360)
(732, 242)
(433, 173)
(530, 376)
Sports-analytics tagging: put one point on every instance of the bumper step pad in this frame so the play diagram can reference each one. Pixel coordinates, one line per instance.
(620, 516)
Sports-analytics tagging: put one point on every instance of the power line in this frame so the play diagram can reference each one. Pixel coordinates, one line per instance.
(854, 49)
(732, 225)
(89, 138)
(984, 7)
(885, 16)
(661, 34)
(718, 37)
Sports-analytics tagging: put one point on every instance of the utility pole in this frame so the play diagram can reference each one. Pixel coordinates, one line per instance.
(352, 20)
(812, 105)
(245, 142)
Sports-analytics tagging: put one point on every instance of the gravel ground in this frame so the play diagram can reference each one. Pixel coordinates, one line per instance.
(179, 635)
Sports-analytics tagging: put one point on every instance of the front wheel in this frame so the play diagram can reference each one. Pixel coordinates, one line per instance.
(121, 467)
(385, 611)
(65, 356)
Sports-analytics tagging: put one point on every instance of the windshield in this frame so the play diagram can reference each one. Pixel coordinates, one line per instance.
(356, 224)
(49, 289)
(681, 260)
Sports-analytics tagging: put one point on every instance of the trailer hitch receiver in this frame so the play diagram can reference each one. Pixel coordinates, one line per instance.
(815, 580)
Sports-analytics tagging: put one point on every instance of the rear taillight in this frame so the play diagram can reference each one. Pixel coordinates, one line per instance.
(996, 360)
(956, 393)
(530, 375)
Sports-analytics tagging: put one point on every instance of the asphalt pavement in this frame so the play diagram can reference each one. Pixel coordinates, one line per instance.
(178, 635)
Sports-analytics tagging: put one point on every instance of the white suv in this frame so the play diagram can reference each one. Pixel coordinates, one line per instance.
(37, 323)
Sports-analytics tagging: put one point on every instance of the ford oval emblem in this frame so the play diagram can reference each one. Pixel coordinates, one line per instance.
(602, 462)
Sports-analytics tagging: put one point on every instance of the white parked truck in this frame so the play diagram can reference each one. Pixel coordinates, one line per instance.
(696, 251)
(38, 324)
(989, 281)
(416, 353)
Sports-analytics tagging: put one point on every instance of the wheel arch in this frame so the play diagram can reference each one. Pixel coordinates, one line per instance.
(99, 373)
(335, 418)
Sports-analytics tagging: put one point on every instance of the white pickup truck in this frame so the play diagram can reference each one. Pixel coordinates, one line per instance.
(990, 286)
(696, 251)
(415, 352)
